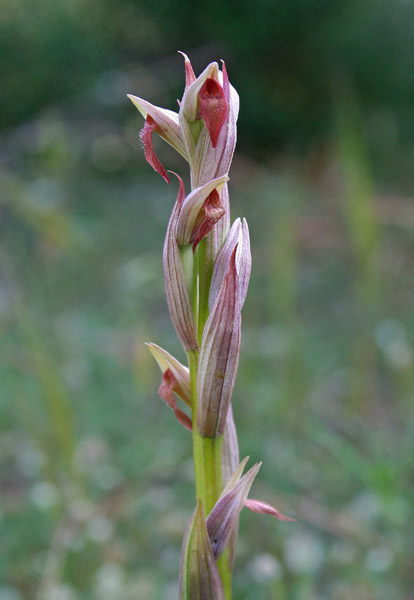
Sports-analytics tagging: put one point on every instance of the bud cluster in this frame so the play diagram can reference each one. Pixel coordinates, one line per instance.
(207, 267)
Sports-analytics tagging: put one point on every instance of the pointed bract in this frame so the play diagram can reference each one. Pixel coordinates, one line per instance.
(219, 357)
(189, 72)
(225, 514)
(181, 373)
(236, 476)
(226, 82)
(199, 576)
(238, 235)
(178, 298)
(229, 463)
(230, 453)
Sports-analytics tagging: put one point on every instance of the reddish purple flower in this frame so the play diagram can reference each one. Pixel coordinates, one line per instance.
(213, 107)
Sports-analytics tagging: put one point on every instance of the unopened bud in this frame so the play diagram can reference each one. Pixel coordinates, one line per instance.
(225, 514)
(199, 576)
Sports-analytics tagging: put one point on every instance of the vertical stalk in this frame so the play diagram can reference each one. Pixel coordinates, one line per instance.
(205, 271)
(206, 451)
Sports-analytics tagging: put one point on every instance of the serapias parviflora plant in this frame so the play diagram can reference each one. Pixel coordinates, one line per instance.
(207, 266)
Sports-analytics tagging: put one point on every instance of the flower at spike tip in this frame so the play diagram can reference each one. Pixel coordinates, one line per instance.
(204, 130)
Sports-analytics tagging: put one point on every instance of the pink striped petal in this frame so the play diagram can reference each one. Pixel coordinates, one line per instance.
(263, 508)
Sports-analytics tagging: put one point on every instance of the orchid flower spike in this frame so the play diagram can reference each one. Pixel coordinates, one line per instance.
(207, 268)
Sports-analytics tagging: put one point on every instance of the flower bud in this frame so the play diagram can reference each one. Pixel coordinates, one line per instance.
(219, 357)
(225, 514)
(178, 298)
(199, 576)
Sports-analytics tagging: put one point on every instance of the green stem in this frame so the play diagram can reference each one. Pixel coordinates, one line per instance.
(206, 451)
(205, 271)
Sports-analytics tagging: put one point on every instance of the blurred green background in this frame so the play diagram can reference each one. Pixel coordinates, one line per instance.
(95, 474)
